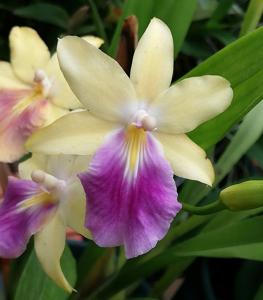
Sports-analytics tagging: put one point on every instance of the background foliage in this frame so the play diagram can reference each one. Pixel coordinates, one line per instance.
(211, 257)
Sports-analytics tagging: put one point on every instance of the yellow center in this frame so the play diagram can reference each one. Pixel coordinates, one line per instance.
(40, 199)
(135, 142)
(42, 86)
(36, 94)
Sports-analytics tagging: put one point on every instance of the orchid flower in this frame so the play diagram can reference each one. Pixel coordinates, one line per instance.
(135, 129)
(33, 91)
(47, 200)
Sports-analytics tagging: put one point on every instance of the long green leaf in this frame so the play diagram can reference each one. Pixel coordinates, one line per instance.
(241, 240)
(242, 64)
(178, 15)
(35, 284)
(248, 133)
(252, 16)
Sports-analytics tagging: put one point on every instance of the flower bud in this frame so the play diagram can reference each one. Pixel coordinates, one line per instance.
(246, 195)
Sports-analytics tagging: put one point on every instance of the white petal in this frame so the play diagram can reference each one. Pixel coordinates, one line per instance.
(36, 162)
(67, 167)
(76, 133)
(93, 40)
(96, 79)
(61, 93)
(152, 65)
(74, 208)
(28, 52)
(49, 247)
(191, 102)
(188, 160)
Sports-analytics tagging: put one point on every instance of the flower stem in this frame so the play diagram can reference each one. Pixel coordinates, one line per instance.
(216, 206)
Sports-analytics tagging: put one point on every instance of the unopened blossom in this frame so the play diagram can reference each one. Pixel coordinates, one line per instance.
(135, 129)
(44, 203)
(33, 91)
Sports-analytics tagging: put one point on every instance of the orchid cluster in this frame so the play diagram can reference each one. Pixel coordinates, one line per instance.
(105, 146)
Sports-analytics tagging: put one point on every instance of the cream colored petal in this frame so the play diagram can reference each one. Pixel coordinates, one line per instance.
(54, 112)
(36, 162)
(76, 133)
(152, 65)
(97, 80)
(93, 40)
(74, 209)
(191, 102)
(28, 52)
(49, 247)
(61, 93)
(188, 160)
(8, 79)
(67, 167)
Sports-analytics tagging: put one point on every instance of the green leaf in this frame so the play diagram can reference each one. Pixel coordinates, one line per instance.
(171, 274)
(255, 153)
(178, 15)
(248, 280)
(35, 284)
(235, 240)
(248, 133)
(221, 10)
(259, 294)
(252, 16)
(44, 12)
(242, 64)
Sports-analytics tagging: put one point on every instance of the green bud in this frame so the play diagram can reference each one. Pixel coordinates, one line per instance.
(242, 196)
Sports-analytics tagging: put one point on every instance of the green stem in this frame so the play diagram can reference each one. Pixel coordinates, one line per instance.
(214, 207)
(252, 16)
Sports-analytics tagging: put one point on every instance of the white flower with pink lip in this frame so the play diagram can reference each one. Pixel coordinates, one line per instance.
(48, 199)
(135, 129)
(33, 91)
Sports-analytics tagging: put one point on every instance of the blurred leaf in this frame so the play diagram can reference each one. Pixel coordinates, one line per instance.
(171, 274)
(224, 36)
(255, 153)
(248, 133)
(35, 284)
(259, 294)
(196, 49)
(44, 12)
(248, 280)
(204, 9)
(178, 15)
(91, 269)
(221, 10)
(246, 81)
(252, 16)
(98, 23)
